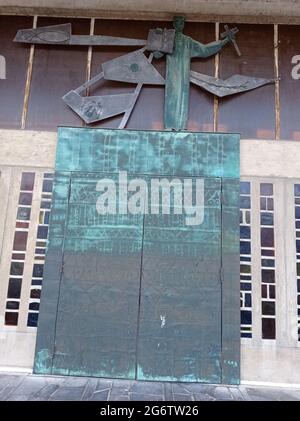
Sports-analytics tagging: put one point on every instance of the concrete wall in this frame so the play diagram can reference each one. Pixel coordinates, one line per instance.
(275, 11)
(270, 364)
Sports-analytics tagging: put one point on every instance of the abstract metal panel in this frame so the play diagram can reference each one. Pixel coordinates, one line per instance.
(132, 68)
(135, 67)
(61, 34)
(132, 296)
(96, 108)
(230, 86)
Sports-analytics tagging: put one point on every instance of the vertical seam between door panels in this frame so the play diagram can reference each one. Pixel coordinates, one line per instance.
(222, 277)
(139, 302)
(61, 272)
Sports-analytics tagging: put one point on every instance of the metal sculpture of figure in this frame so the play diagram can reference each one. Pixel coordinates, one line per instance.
(178, 74)
(137, 68)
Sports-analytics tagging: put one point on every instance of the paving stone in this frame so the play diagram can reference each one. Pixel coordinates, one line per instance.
(104, 384)
(119, 398)
(236, 394)
(30, 385)
(18, 398)
(100, 396)
(89, 390)
(259, 394)
(150, 388)
(259, 398)
(198, 388)
(122, 383)
(168, 392)
(180, 389)
(271, 394)
(222, 393)
(67, 394)
(180, 398)
(75, 381)
(16, 387)
(120, 387)
(46, 392)
(9, 380)
(203, 397)
(144, 397)
(295, 394)
(244, 393)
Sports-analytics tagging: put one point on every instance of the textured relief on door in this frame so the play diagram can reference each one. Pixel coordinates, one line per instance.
(142, 295)
(180, 313)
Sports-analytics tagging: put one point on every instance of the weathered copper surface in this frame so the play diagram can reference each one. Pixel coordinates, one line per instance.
(178, 74)
(142, 296)
(161, 40)
(62, 34)
(233, 85)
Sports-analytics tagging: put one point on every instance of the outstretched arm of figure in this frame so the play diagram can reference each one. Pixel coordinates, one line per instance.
(206, 50)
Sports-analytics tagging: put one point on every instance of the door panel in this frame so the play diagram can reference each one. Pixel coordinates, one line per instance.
(180, 314)
(94, 320)
(98, 306)
(115, 263)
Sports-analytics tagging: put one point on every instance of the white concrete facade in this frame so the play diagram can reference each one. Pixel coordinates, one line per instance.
(276, 162)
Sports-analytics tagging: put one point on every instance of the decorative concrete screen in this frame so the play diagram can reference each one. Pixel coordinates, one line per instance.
(142, 294)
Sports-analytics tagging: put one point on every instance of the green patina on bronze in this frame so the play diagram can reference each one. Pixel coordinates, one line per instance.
(178, 74)
(99, 268)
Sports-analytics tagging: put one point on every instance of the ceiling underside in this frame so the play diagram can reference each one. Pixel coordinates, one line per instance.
(259, 11)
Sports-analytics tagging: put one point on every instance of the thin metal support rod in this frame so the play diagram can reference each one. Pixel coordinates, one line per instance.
(217, 74)
(28, 79)
(89, 83)
(277, 83)
(90, 55)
